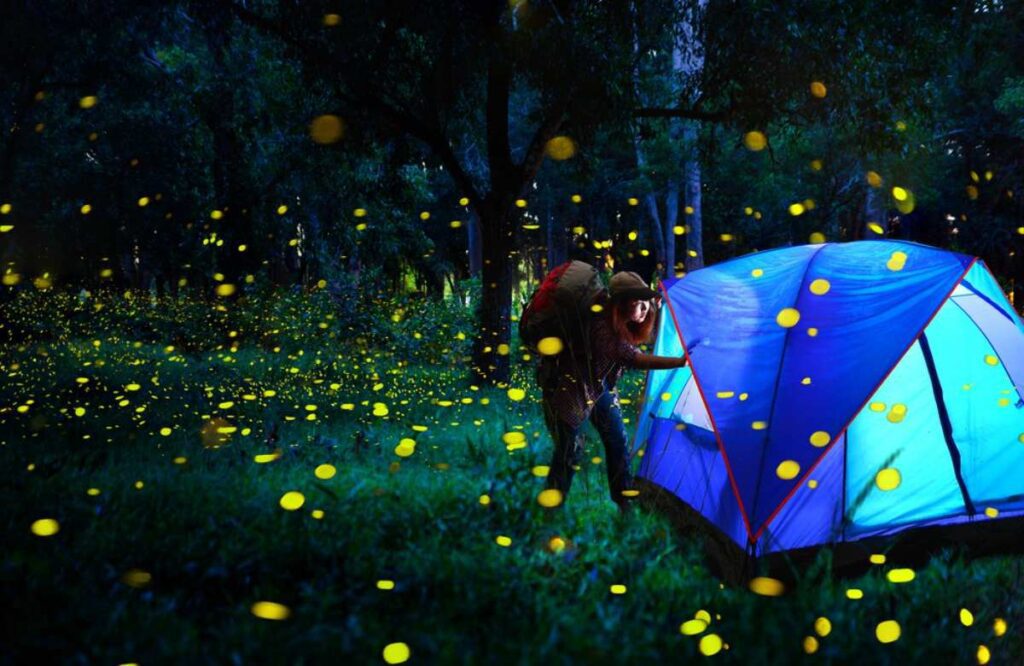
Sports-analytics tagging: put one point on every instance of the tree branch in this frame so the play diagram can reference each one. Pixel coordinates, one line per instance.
(367, 98)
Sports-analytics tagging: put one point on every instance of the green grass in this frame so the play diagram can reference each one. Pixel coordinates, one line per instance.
(214, 539)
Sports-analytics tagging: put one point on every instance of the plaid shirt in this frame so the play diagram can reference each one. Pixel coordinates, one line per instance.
(575, 379)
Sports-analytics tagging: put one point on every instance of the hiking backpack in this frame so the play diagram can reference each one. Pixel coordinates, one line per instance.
(561, 306)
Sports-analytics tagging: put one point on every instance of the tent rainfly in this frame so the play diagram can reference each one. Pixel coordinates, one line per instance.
(837, 394)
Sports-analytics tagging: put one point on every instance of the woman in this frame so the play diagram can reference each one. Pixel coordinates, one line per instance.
(582, 384)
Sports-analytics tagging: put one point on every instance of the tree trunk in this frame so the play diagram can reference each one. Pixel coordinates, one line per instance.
(695, 235)
(651, 206)
(473, 244)
(650, 199)
(495, 306)
(688, 64)
(874, 211)
(671, 220)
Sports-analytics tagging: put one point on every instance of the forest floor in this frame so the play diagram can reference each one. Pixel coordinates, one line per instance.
(380, 503)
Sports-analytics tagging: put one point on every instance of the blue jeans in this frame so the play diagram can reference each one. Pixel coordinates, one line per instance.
(568, 447)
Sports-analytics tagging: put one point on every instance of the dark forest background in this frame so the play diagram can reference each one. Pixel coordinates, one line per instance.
(369, 148)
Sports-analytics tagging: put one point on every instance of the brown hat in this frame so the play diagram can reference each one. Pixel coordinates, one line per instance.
(628, 284)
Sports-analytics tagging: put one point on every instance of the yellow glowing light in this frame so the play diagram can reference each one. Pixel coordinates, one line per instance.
(326, 129)
(396, 653)
(818, 89)
(874, 180)
(269, 610)
(796, 209)
(787, 469)
(292, 500)
(820, 287)
(693, 627)
(896, 261)
(520, 203)
(820, 438)
(87, 102)
(787, 317)
(768, 587)
(325, 471)
(550, 346)
(710, 645)
(822, 626)
(226, 289)
(503, 541)
(755, 140)
(516, 394)
(887, 631)
(560, 148)
(900, 575)
(966, 617)
(45, 527)
(888, 479)
(406, 447)
(897, 413)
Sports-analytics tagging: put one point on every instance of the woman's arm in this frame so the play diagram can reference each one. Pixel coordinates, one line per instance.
(652, 362)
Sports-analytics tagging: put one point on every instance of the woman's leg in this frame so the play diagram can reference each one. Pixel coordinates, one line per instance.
(607, 419)
(568, 449)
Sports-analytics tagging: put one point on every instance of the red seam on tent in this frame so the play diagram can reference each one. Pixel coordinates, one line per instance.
(714, 428)
(857, 411)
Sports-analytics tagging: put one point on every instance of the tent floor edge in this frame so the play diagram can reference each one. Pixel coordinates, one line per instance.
(724, 557)
(914, 547)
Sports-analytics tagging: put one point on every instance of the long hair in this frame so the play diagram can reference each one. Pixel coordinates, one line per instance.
(633, 332)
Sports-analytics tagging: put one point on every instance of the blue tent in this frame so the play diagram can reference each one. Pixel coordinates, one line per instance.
(837, 392)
